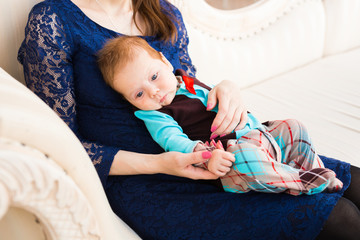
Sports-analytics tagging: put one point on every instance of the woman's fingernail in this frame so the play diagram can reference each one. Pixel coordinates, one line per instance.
(213, 136)
(209, 106)
(213, 129)
(222, 135)
(206, 155)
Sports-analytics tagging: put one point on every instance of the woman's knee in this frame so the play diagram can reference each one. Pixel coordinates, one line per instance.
(353, 191)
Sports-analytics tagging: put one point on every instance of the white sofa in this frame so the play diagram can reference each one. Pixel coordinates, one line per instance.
(293, 58)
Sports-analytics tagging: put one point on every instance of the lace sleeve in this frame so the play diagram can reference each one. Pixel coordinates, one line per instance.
(182, 43)
(46, 57)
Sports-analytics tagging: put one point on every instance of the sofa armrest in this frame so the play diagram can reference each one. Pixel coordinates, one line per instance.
(27, 120)
(32, 181)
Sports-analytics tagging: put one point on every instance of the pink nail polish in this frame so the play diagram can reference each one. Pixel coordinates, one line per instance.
(209, 106)
(206, 155)
(222, 135)
(213, 136)
(213, 129)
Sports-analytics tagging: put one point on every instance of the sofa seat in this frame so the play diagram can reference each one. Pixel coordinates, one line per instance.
(324, 95)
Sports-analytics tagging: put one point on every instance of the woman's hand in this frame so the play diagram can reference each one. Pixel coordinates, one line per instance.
(182, 164)
(232, 114)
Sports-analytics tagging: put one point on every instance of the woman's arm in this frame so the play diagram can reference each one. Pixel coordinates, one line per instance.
(172, 163)
(46, 58)
(182, 43)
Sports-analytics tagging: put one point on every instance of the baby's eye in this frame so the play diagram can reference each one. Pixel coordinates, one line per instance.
(154, 77)
(139, 94)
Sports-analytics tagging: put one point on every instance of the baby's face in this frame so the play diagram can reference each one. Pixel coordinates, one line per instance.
(146, 82)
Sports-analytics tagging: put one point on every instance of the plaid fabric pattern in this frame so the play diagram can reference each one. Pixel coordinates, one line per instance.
(278, 158)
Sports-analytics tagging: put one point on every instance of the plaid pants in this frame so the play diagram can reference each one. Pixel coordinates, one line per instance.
(278, 158)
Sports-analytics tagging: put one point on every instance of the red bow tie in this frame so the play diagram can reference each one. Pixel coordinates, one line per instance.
(189, 84)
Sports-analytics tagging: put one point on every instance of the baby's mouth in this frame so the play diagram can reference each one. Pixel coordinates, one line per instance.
(162, 100)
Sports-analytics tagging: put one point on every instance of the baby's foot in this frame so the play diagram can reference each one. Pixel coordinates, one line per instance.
(318, 179)
(335, 185)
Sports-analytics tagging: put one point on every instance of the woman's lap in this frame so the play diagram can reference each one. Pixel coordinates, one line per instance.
(167, 207)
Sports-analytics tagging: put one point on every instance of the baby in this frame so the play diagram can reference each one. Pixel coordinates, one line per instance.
(276, 156)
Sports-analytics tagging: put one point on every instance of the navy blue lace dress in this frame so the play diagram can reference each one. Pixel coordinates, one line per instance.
(59, 59)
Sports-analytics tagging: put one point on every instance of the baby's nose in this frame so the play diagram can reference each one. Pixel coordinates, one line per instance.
(153, 90)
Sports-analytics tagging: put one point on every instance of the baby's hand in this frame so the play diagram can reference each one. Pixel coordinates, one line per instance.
(220, 162)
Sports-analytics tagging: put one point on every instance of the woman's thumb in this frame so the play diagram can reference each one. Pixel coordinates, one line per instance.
(200, 157)
(211, 102)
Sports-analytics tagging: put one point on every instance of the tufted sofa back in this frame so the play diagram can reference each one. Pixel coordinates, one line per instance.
(265, 39)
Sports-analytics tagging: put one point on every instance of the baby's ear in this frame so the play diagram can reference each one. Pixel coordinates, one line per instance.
(164, 59)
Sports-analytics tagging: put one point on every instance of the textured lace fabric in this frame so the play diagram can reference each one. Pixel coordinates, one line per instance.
(57, 34)
(59, 59)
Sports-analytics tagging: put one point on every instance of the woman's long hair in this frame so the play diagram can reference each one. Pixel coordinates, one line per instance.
(157, 22)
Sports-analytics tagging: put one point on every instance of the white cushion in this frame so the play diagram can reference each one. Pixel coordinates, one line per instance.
(324, 96)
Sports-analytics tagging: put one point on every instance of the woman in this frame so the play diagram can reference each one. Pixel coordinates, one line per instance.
(146, 187)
